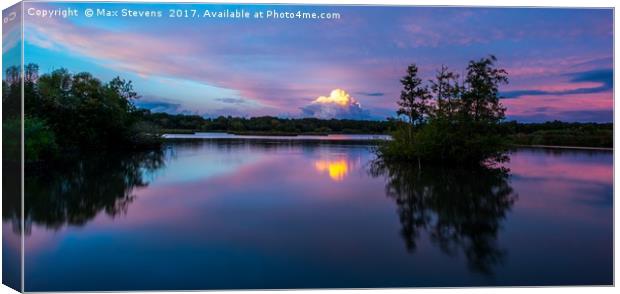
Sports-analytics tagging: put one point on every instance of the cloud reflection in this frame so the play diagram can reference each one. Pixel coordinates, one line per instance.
(337, 169)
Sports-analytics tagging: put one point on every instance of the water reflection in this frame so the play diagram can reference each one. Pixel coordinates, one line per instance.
(336, 169)
(74, 192)
(11, 194)
(460, 210)
(263, 214)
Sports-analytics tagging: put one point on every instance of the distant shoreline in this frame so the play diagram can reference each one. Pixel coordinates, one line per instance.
(266, 135)
(565, 147)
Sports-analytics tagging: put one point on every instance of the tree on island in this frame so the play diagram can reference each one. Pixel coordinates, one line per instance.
(414, 98)
(481, 93)
(450, 122)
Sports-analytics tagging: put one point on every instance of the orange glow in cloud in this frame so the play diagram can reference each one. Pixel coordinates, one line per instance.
(337, 96)
(336, 169)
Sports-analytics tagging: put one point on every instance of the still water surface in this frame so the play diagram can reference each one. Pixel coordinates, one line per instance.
(215, 214)
(330, 137)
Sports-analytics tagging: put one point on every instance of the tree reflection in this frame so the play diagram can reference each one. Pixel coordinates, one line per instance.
(74, 191)
(459, 209)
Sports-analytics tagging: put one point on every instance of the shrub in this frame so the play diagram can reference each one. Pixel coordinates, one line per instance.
(40, 141)
(446, 143)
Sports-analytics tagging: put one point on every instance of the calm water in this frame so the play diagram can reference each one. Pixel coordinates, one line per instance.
(332, 137)
(212, 214)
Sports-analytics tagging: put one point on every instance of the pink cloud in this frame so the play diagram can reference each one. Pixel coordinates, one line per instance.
(545, 67)
(281, 79)
(151, 56)
(566, 86)
(255, 74)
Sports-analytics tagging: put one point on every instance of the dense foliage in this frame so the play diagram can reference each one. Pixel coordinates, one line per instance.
(451, 121)
(70, 112)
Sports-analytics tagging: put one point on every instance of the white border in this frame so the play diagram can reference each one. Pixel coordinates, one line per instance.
(498, 3)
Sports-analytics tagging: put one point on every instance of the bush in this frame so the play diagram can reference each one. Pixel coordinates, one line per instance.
(40, 141)
(11, 142)
(447, 143)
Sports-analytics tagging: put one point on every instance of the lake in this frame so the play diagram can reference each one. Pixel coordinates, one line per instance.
(230, 213)
(329, 138)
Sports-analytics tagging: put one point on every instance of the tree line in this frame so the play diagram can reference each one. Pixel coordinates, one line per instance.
(446, 119)
(556, 133)
(265, 124)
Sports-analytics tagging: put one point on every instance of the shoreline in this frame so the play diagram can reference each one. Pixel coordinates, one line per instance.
(565, 147)
(320, 138)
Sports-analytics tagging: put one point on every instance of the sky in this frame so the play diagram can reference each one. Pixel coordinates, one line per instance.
(559, 61)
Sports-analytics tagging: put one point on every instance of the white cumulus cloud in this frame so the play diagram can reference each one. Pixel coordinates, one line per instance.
(339, 104)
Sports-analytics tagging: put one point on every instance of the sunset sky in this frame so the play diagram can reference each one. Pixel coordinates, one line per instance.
(559, 60)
